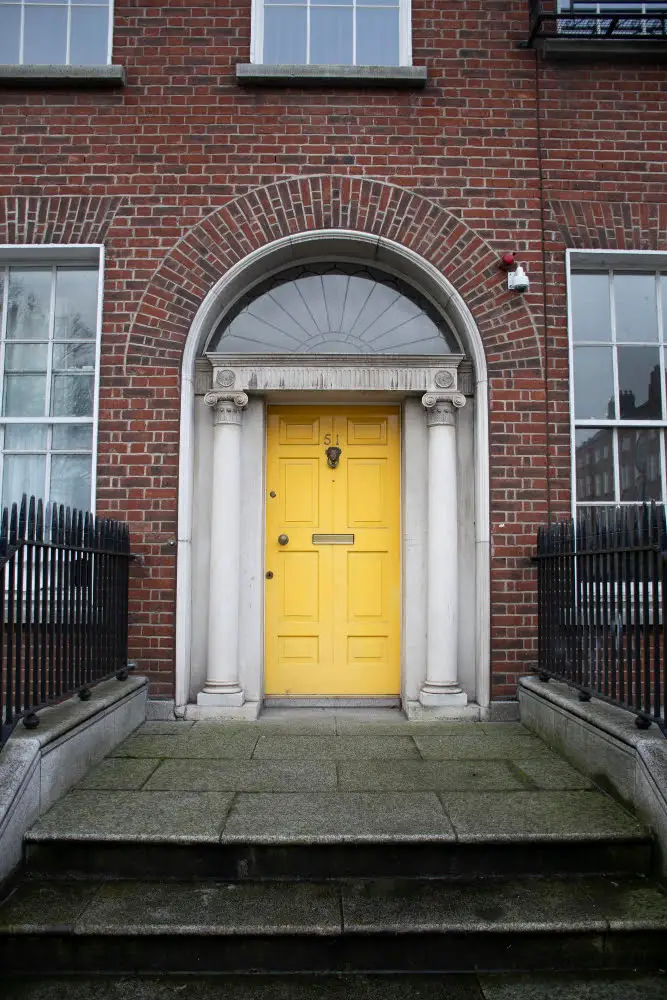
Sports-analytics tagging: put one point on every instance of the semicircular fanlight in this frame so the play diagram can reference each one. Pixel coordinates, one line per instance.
(333, 309)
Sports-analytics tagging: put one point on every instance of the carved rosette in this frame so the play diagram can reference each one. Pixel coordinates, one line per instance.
(441, 407)
(444, 379)
(227, 406)
(225, 378)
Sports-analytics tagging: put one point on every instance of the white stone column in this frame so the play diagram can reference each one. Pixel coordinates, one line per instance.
(222, 686)
(441, 687)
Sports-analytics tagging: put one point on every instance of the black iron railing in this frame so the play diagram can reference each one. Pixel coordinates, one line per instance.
(602, 606)
(63, 606)
(631, 20)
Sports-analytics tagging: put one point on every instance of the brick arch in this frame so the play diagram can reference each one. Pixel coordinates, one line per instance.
(68, 219)
(206, 252)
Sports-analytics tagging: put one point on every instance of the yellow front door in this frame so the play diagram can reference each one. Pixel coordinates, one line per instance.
(333, 552)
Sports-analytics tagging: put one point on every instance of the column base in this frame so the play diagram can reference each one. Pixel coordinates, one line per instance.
(442, 696)
(247, 712)
(231, 697)
(416, 712)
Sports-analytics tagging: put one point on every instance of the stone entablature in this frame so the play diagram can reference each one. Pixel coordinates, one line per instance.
(332, 372)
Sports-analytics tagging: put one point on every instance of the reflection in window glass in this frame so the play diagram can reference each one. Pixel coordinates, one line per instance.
(635, 304)
(54, 32)
(623, 383)
(640, 465)
(594, 464)
(593, 383)
(640, 397)
(590, 306)
(50, 349)
(331, 32)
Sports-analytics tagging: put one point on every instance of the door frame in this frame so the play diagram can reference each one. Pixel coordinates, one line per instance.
(345, 245)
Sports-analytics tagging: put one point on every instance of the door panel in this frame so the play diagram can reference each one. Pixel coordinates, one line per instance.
(333, 610)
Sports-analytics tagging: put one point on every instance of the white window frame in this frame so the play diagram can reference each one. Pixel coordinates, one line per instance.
(45, 255)
(404, 33)
(68, 4)
(641, 261)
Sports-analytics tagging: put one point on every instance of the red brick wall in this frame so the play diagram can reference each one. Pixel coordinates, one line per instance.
(181, 173)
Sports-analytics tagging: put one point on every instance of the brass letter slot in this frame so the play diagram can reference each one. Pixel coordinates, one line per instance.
(333, 539)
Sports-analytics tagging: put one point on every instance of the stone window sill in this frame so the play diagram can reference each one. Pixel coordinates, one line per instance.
(62, 76)
(390, 77)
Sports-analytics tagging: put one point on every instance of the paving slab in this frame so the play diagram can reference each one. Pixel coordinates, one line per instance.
(209, 745)
(550, 772)
(628, 904)
(277, 721)
(212, 908)
(244, 776)
(336, 748)
(146, 816)
(408, 907)
(472, 744)
(543, 815)
(338, 817)
(399, 727)
(421, 775)
(37, 905)
(353, 987)
(173, 727)
(596, 986)
(120, 773)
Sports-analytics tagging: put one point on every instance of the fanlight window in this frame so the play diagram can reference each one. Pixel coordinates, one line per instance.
(333, 309)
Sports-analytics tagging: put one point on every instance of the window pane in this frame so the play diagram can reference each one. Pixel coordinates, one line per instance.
(24, 395)
(332, 3)
(44, 34)
(76, 304)
(639, 459)
(285, 35)
(74, 356)
(636, 309)
(89, 36)
(331, 36)
(25, 437)
(72, 396)
(26, 357)
(639, 383)
(22, 474)
(75, 437)
(377, 37)
(10, 31)
(70, 480)
(29, 304)
(593, 383)
(591, 309)
(594, 464)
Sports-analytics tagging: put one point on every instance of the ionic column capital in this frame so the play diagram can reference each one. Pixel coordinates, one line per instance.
(441, 407)
(227, 406)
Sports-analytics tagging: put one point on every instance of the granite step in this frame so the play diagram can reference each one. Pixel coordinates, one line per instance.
(535, 986)
(239, 835)
(400, 926)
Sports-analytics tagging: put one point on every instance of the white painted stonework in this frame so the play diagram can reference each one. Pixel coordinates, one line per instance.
(444, 503)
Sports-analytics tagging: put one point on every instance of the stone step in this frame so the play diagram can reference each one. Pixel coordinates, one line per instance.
(535, 986)
(335, 834)
(449, 860)
(82, 927)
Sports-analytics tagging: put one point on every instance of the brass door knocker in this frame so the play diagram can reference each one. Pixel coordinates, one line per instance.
(333, 456)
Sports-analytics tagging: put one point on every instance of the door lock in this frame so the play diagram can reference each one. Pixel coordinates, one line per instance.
(269, 575)
(283, 539)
